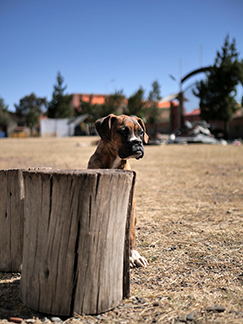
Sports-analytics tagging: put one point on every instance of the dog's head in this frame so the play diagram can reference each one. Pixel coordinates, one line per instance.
(124, 134)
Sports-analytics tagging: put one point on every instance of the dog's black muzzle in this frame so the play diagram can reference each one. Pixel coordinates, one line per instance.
(132, 149)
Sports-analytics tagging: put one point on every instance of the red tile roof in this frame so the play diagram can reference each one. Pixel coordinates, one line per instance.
(195, 112)
(96, 99)
(100, 99)
(166, 104)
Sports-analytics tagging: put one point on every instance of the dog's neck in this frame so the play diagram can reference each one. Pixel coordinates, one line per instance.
(115, 160)
(105, 157)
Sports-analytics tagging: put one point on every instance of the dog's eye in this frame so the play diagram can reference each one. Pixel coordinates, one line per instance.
(141, 133)
(124, 131)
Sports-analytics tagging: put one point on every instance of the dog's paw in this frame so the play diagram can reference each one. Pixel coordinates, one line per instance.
(136, 260)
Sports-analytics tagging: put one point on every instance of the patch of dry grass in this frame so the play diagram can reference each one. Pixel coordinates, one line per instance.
(190, 213)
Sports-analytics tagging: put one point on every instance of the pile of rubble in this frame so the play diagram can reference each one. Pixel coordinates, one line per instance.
(194, 133)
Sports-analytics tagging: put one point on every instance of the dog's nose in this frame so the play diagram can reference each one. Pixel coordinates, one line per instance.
(136, 141)
(137, 147)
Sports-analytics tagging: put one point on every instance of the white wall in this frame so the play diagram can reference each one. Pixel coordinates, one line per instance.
(56, 127)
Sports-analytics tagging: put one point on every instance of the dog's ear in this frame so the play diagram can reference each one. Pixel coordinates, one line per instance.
(145, 136)
(103, 126)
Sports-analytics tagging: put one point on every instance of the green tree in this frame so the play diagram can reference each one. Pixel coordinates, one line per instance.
(4, 116)
(60, 105)
(217, 92)
(113, 105)
(153, 112)
(136, 105)
(30, 107)
(88, 108)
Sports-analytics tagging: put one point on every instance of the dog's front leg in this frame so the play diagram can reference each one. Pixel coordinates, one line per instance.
(135, 258)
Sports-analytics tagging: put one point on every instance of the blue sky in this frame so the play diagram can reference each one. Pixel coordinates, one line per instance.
(100, 46)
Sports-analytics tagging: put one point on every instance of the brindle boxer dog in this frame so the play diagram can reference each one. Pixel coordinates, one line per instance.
(122, 138)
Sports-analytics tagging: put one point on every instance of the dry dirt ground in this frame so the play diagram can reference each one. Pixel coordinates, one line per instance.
(190, 214)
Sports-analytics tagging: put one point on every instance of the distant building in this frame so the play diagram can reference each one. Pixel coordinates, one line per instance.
(168, 120)
(168, 110)
(169, 115)
(55, 127)
(98, 99)
(17, 127)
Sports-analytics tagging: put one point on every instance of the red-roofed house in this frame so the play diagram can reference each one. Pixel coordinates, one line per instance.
(98, 99)
(193, 115)
(169, 113)
(169, 118)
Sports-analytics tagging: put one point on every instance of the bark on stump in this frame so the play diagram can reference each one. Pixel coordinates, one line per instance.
(11, 220)
(76, 246)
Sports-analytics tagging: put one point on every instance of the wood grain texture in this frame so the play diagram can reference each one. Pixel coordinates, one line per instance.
(11, 220)
(127, 247)
(75, 228)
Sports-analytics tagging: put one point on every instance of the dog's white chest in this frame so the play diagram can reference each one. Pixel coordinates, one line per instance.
(116, 163)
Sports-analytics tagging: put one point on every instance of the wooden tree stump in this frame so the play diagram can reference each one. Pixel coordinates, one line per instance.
(76, 246)
(11, 220)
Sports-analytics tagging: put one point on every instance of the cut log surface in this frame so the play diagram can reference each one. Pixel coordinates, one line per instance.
(75, 228)
(11, 220)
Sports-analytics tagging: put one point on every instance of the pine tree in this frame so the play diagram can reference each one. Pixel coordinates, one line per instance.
(217, 93)
(153, 112)
(60, 105)
(113, 104)
(136, 105)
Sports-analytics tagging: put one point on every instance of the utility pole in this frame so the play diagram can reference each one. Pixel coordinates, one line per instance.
(180, 117)
(180, 98)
